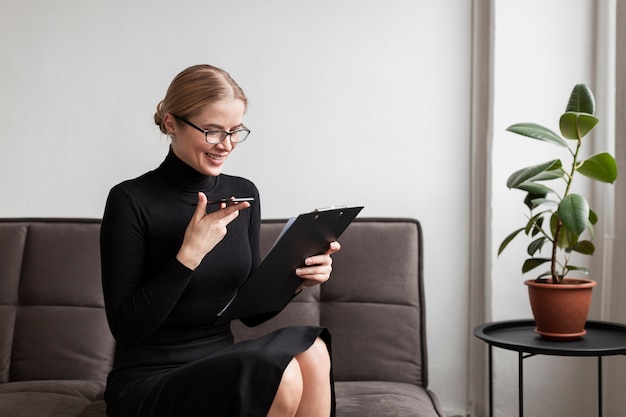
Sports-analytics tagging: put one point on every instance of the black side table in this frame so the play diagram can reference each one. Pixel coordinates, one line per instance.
(602, 339)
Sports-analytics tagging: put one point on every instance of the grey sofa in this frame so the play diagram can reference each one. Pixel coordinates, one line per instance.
(56, 348)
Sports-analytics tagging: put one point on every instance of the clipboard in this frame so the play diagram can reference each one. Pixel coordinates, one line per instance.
(271, 286)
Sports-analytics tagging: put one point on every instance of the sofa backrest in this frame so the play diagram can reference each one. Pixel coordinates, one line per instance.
(373, 303)
(53, 325)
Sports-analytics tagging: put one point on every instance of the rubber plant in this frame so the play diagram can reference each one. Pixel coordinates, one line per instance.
(559, 218)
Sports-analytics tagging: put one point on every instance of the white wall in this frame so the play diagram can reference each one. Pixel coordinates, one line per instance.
(351, 102)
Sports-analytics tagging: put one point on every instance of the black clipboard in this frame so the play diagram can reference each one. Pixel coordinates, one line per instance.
(271, 286)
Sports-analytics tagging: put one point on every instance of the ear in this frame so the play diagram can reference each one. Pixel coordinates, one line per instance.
(169, 123)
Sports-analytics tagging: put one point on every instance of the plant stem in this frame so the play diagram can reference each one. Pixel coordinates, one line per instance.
(557, 231)
(555, 245)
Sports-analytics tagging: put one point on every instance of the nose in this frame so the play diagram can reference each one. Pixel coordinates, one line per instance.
(227, 143)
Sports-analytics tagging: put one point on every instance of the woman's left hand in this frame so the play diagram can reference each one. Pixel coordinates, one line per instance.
(318, 268)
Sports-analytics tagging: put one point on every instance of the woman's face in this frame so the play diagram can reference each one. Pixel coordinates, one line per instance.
(189, 144)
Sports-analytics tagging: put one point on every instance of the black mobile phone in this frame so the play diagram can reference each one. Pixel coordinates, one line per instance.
(229, 201)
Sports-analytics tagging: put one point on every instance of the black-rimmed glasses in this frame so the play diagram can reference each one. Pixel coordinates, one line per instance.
(216, 136)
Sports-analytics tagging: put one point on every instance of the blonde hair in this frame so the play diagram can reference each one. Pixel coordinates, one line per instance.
(194, 88)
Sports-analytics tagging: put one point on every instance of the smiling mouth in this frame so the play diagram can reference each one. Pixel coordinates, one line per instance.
(217, 158)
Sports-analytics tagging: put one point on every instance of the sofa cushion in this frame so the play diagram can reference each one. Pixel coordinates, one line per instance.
(60, 342)
(380, 398)
(7, 324)
(61, 265)
(12, 238)
(355, 325)
(87, 389)
(374, 297)
(95, 409)
(41, 404)
(54, 325)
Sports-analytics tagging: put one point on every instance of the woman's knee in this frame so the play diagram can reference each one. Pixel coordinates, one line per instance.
(289, 393)
(316, 357)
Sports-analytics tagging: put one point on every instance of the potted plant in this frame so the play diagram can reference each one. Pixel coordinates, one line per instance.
(560, 221)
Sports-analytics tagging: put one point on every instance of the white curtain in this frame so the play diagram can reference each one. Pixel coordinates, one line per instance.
(616, 366)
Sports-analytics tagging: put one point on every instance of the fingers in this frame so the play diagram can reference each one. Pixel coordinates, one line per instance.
(333, 247)
(200, 207)
(320, 272)
(324, 259)
(318, 268)
(228, 212)
(226, 209)
(204, 231)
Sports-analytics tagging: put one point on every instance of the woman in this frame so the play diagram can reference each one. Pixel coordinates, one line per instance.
(171, 261)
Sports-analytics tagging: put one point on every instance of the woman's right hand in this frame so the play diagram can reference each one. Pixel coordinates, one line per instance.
(205, 231)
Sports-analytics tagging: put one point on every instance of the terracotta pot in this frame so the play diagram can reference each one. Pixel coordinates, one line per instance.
(561, 310)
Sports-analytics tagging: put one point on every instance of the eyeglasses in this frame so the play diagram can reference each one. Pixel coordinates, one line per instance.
(216, 136)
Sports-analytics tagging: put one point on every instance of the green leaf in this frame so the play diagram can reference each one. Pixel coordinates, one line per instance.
(534, 188)
(538, 224)
(567, 239)
(536, 202)
(577, 125)
(535, 131)
(534, 224)
(554, 221)
(533, 200)
(528, 173)
(574, 213)
(591, 231)
(581, 100)
(552, 174)
(584, 246)
(600, 167)
(578, 268)
(536, 245)
(545, 274)
(533, 263)
(508, 240)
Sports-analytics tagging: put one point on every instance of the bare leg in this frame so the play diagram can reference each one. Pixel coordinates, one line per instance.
(289, 392)
(315, 368)
(304, 389)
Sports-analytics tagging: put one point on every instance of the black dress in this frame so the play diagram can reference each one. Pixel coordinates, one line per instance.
(171, 359)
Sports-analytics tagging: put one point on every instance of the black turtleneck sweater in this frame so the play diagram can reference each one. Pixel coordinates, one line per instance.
(151, 298)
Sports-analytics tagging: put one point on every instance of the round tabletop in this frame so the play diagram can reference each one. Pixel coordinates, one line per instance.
(602, 339)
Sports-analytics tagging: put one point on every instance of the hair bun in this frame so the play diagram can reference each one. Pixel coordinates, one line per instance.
(158, 117)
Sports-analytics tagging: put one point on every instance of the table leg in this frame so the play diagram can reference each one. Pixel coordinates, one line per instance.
(599, 386)
(490, 381)
(520, 384)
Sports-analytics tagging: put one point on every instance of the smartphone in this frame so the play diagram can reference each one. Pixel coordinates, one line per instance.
(229, 201)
